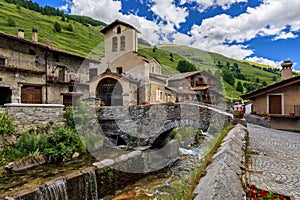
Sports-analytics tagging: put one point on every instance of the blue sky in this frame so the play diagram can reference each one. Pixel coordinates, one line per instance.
(262, 31)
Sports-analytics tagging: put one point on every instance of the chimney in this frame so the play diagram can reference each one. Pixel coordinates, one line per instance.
(286, 71)
(34, 35)
(21, 33)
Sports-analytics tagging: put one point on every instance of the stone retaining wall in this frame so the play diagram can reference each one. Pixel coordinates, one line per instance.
(104, 177)
(27, 116)
(258, 120)
(224, 174)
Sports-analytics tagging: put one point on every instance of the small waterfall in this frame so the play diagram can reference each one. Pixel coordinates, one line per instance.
(89, 186)
(55, 191)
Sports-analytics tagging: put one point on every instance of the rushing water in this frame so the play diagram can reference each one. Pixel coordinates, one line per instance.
(154, 186)
(160, 185)
(33, 177)
(54, 191)
(90, 186)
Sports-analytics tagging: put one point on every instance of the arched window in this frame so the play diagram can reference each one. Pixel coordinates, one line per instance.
(122, 45)
(118, 30)
(114, 44)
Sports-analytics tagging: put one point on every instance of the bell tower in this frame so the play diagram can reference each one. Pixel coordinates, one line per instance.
(119, 38)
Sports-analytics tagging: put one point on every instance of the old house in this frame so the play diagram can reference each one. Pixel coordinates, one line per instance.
(194, 86)
(35, 73)
(280, 100)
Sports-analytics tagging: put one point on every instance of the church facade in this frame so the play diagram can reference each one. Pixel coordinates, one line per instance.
(124, 77)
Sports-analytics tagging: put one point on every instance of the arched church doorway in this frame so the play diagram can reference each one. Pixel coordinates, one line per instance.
(110, 91)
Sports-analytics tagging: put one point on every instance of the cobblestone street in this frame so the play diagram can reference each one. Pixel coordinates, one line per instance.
(275, 160)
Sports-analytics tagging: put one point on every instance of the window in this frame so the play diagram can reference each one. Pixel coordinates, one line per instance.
(32, 52)
(61, 75)
(2, 61)
(56, 57)
(71, 88)
(119, 70)
(159, 95)
(5, 96)
(114, 44)
(153, 69)
(122, 46)
(93, 72)
(118, 30)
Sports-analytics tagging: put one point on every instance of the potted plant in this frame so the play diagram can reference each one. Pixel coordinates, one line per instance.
(238, 114)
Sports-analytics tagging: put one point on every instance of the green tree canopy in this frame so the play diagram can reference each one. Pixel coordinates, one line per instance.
(239, 87)
(57, 27)
(185, 66)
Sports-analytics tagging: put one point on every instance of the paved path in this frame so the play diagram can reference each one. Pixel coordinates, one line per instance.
(275, 160)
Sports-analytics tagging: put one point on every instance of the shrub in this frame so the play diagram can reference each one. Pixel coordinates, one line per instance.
(6, 125)
(11, 22)
(63, 144)
(68, 115)
(57, 27)
(27, 143)
(70, 27)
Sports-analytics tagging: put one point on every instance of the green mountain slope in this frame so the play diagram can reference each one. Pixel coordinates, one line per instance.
(86, 40)
(249, 74)
(83, 40)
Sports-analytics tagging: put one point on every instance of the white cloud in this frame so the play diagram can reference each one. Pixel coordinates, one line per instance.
(167, 10)
(104, 10)
(264, 61)
(205, 4)
(222, 33)
(285, 35)
(268, 19)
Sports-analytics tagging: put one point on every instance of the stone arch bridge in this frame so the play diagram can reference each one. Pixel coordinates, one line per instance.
(153, 124)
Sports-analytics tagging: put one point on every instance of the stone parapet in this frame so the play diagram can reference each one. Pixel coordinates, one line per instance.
(223, 177)
(27, 116)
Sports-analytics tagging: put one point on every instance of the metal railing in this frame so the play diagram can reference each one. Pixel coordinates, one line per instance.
(292, 110)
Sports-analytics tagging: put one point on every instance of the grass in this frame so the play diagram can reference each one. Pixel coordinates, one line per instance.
(183, 188)
(82, 40)
(87, 41)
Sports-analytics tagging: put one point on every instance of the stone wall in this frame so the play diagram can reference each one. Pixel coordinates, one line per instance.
(27, 116)
(224, 174)
(258, 120)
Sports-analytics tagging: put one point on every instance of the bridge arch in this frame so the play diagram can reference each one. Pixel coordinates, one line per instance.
(161, 137)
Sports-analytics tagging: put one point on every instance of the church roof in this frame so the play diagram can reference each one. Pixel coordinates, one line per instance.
(115, 23)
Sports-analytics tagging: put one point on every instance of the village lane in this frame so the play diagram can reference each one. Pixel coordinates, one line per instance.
(275, 160)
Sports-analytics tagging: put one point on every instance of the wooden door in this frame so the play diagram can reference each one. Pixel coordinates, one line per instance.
(275, 106)
(31, 94)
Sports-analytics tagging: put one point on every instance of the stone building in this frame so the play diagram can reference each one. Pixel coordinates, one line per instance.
(194, 86)
(36, 73)
(32, 72)
(124, 77)
(280, 101)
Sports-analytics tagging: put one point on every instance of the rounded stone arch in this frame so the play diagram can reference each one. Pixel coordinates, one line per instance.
(160, 138)
(109, 90)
